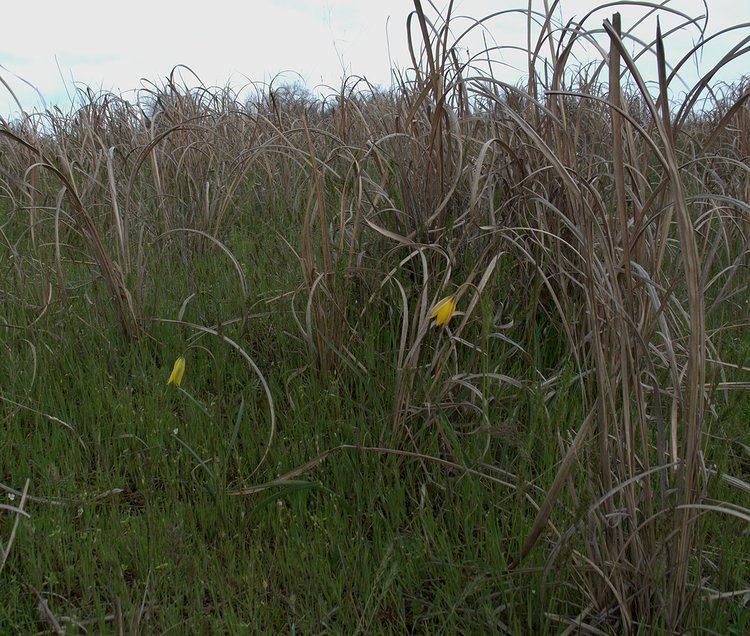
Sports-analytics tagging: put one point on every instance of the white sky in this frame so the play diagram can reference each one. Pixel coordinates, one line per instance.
(57, 45)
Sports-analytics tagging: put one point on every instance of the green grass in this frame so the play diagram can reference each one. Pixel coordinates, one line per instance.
(364, 542)
(360, 543)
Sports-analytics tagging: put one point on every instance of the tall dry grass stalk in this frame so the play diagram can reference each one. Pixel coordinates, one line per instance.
(632, 257)
(601, 207)
(76, 166)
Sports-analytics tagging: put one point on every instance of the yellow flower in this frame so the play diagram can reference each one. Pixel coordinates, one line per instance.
(443, 310)
(178, 370)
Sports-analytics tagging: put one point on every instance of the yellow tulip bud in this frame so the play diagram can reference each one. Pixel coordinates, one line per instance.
(178, 370)
(443, 310)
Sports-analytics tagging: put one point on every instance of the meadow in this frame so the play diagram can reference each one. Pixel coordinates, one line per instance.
(227, 406)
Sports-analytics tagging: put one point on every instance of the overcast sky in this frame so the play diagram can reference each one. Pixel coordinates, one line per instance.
(57, 45)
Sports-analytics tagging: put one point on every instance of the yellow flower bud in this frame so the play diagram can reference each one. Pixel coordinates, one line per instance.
(443, 310)
(178, 370)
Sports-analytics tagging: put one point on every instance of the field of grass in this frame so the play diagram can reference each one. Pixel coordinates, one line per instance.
(570, 453)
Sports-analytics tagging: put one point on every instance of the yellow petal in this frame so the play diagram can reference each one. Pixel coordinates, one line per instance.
(443, 310)
(178, 370)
